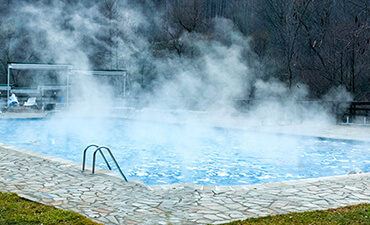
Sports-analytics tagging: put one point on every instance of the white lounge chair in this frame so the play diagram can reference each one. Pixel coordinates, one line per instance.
(30, 102)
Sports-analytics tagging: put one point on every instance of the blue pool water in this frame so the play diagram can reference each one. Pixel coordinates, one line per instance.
(158, 153)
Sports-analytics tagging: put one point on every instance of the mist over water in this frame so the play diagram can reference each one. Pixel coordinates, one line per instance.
(176, 153)
(211, 80)
(192, 91)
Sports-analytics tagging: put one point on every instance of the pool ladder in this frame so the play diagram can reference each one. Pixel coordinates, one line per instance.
(99, 149)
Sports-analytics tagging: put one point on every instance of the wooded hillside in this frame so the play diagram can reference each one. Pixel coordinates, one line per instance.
(321, 44)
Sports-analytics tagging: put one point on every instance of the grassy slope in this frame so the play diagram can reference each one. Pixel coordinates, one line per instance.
(355, 214)
(16, 210)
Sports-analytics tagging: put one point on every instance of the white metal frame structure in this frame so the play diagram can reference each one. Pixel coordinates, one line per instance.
(64, 67)
(106, 73)
(35, 66)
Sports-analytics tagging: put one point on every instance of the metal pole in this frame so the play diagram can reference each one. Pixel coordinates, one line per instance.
(68, 87)
(94, 157)
(124, 85)
(114, 160)
(84, 155)
(111, 155)
(8, 86)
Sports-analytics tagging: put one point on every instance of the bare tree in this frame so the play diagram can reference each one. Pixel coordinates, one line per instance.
(188, 14)
(110, 10)
(337, 35)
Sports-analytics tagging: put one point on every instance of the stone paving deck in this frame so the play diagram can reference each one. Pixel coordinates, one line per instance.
(106, 198)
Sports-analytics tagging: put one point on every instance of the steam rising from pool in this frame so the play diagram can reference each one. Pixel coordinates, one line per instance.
(212, 80)
(197, 93)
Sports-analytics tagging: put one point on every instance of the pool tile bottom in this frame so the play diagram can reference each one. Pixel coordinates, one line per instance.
(106, 198)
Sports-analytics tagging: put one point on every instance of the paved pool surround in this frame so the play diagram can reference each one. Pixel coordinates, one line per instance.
(106, 198)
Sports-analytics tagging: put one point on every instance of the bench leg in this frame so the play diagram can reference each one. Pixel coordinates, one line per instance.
(347, 122)
(365, 120)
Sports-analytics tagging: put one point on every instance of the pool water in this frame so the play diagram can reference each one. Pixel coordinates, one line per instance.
(159, 153)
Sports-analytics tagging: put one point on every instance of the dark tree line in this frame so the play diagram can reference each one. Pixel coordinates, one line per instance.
(319, 43)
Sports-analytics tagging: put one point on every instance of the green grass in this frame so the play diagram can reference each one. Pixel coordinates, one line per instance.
(16, 210)
(355, 214)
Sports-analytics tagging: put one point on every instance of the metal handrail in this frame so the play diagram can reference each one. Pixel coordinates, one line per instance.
(111, 155)
(84, 156)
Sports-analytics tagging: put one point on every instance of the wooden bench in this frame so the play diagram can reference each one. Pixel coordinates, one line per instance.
(357, 109)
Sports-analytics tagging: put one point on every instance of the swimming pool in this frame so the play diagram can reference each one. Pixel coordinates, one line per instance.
(159, 153)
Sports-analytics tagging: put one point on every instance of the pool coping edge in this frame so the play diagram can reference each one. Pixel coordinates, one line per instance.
(214, 188)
